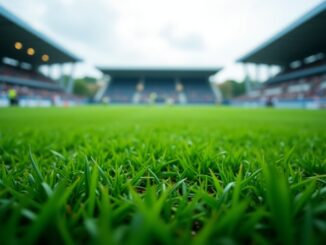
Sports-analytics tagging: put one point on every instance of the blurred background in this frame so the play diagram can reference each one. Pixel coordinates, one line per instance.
(244, 53)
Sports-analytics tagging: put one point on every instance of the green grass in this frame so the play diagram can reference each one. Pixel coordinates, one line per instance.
(162, 175)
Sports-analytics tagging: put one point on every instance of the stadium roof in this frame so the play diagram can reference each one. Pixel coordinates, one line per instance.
(160, 72)
(16, 37)
(303, 38)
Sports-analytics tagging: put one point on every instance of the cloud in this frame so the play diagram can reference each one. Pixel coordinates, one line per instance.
(160, 32)
(92, 22)
(188, 41)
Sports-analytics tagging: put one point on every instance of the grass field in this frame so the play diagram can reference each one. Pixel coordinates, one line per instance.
(162, 175)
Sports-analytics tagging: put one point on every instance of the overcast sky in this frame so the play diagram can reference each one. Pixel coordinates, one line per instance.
(164, 33)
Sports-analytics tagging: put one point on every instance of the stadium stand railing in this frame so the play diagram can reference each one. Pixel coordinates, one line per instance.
(302, 87)
(33, 88)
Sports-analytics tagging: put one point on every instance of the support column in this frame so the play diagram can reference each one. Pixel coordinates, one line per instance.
(136, 99)
(217, 92)
(182, 98)
(70, 85)
(51, 71)
(48, 72)
(142, 83)
(62, 78)
(178, 85)
(258, 78)
(247, 79)
(104, 83)
(270, 71)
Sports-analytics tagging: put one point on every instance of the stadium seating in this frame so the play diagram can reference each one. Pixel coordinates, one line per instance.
(198, 91)
(28, 96)
(24, 51)
(303, 92)
(33, 88)
(306, 82)
(165, 90)
(121, 91)
(11, 71)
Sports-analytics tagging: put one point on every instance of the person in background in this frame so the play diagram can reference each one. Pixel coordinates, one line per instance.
(12, 95)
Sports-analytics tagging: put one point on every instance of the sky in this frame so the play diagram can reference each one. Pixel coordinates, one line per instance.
(160, 33)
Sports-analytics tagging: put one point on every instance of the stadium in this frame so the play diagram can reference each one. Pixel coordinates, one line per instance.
(180, 86)
(299, 51)
(23, 52)
(21, 63)
(162, 154)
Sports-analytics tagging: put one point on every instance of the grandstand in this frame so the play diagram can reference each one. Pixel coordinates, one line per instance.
(300, 53)
(173, 86)
(23, 51)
